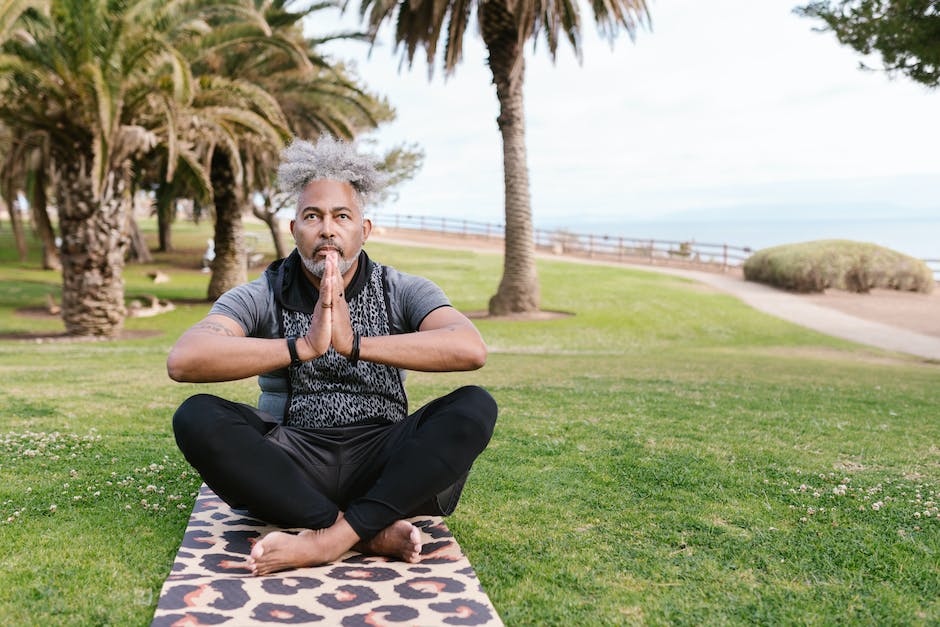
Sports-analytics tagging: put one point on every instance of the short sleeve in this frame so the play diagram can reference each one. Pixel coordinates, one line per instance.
(411, 299)
(250, 306)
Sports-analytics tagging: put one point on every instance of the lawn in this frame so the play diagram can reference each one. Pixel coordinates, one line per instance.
(666, 455)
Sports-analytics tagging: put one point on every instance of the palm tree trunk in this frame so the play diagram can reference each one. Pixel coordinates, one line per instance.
(93, 247)
(39, 207)
(268, 216)
(518, 290)
(138, 250)
(165, 214)
(16, 220)
(230, 266)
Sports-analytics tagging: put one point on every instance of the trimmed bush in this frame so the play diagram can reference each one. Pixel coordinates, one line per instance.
(841, 264)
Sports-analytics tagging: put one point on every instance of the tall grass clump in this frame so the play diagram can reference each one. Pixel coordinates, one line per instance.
(841, 264)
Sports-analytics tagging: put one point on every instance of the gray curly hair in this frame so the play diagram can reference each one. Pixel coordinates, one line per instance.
(329, 158)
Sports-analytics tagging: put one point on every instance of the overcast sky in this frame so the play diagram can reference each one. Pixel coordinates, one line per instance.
(725, 108)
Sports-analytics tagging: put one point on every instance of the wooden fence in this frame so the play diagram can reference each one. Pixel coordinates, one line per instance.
(594, 246)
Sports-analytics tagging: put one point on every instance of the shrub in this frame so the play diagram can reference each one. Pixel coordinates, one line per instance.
(841, 264)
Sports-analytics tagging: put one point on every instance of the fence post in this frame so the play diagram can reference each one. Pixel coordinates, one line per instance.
(724, 261)
(620, 249)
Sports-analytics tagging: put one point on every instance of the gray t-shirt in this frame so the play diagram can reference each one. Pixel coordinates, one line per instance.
(411, 298)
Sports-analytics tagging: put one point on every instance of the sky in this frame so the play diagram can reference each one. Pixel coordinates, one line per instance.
(722, 110)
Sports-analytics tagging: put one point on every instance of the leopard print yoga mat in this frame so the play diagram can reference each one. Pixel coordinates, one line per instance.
(210, 584)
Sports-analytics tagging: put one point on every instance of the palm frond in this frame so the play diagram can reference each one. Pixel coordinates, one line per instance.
(12, 11)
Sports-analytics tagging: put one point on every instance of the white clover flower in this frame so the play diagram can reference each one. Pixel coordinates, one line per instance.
(53, 507)
(877, 505)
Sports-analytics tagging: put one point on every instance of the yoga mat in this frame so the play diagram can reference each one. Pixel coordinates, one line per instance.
(210, 583)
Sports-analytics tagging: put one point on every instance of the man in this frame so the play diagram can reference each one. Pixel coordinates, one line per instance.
(329, 332)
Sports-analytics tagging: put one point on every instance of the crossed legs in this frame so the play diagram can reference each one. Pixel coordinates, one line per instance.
(402, 471)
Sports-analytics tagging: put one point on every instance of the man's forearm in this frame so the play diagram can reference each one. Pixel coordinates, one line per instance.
(203, 357)
(445, 349)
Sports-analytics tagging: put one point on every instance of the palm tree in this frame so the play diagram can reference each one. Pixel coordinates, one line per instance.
(11, 179)
(101, 80)
(505, 25)
(25, 166)
(272, 71)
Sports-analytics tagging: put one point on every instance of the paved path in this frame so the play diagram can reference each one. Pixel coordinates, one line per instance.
(775, 302)
(823, 319)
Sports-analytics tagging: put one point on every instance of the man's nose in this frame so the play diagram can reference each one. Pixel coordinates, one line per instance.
(327, 226)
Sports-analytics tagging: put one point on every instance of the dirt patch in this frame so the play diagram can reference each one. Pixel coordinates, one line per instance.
(519, 317)
(35, 313)
(61, 337)
(42, 313)
(906, 310)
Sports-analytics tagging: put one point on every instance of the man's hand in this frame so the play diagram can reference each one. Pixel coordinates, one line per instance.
(342, 332)
(330, 324)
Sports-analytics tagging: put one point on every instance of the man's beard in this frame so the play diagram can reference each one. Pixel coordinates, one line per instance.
(317, 268)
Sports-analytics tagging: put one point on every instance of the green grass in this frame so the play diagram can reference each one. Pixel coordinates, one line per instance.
(841, 264)
(665, 456)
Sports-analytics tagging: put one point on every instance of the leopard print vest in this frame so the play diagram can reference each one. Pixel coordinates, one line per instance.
(329, 391)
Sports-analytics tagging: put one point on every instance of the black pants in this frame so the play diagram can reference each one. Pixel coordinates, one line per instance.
(298, 477)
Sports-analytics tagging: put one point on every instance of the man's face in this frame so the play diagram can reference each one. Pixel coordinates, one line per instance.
(329, 217)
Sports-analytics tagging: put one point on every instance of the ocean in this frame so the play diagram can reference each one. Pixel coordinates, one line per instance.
(917, 237)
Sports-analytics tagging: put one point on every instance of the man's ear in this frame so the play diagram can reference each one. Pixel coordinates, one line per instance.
(366, 229)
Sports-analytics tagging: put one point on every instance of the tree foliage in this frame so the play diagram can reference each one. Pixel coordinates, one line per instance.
(505, 26)
(906, 33)
(180, 97)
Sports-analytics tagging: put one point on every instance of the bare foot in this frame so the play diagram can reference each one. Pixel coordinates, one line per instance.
(401, 539)
(281, 551)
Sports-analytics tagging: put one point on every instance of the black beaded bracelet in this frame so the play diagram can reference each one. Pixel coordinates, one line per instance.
(354, 354)
(292, 349)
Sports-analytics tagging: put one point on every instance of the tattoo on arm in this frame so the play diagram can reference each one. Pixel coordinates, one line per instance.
(213, 327)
